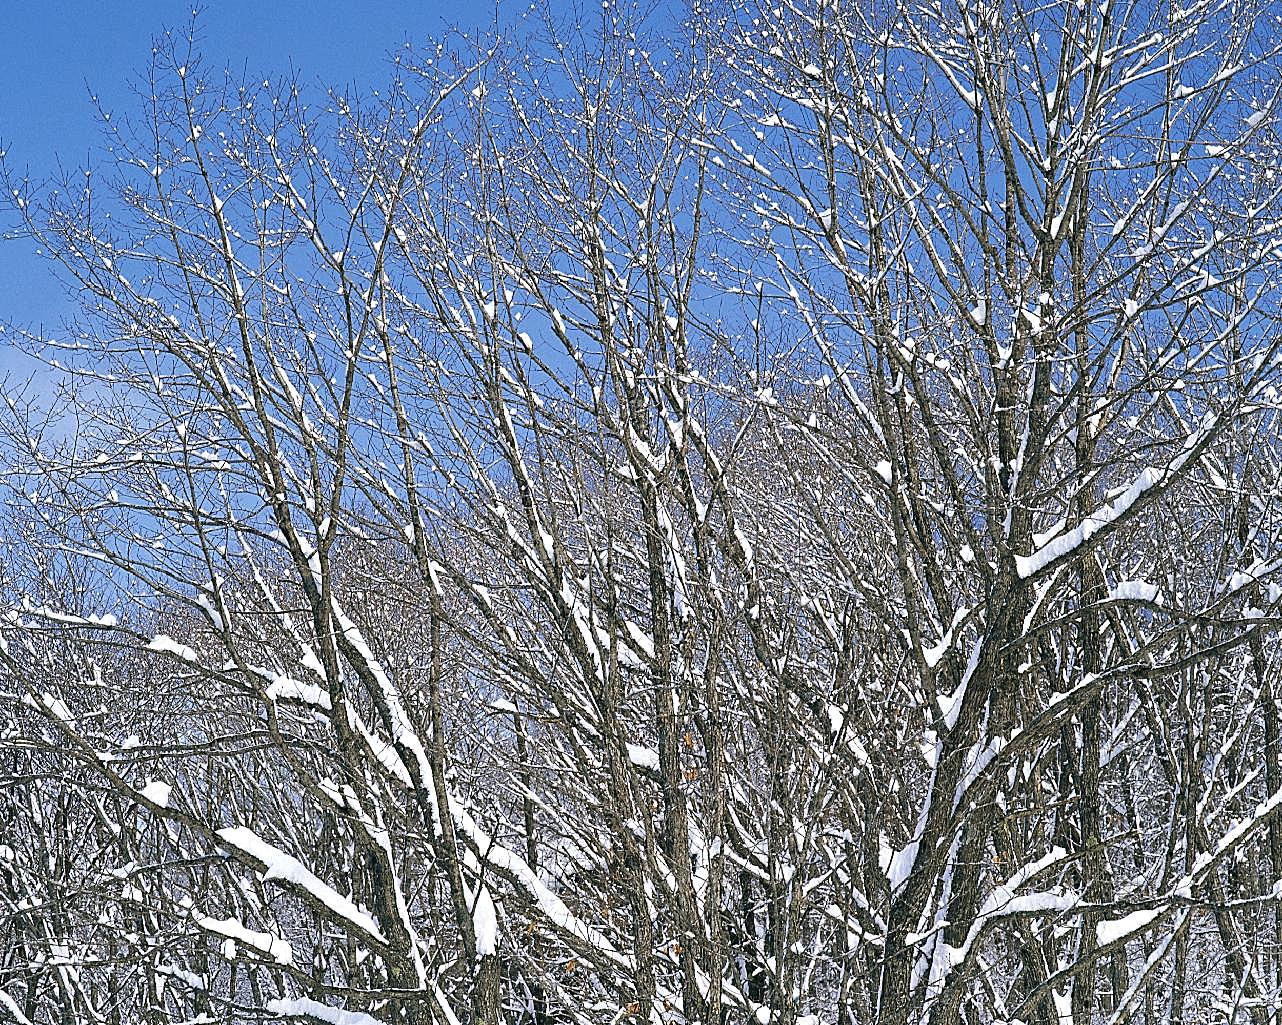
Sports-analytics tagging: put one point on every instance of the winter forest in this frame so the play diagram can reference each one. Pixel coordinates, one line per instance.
(739, 514)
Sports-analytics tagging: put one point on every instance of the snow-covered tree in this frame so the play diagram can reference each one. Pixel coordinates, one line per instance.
(763, 516)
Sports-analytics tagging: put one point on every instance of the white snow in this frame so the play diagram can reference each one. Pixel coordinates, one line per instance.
(950, 704)
(643, 757)
(1135, 590)
(640, 640)
(157, 793)
(1004, 902)
(382, 751)
(301, 1007)
(935, 654)
(9, 1004)
(279, 865)
(1204, 861)
(263, 942)
(166, 644)
(58, 707)
(211, 610)
(901, 864)
(1148, 479)
(1113, 929)
(310, 661)
(287, 688)
(188, 979)
(402, 732)
(515, 867)
(485, 922)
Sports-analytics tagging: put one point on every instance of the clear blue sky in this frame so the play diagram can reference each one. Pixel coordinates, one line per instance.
(53, 53)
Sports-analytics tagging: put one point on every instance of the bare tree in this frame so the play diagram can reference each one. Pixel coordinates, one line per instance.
(769, 516)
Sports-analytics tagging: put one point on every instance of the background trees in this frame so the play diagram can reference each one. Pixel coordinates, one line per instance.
(766, 516)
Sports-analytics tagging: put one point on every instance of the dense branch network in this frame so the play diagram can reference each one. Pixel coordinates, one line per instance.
(763, 516)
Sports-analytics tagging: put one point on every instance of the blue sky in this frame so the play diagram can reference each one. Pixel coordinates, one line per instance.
(54, 53)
